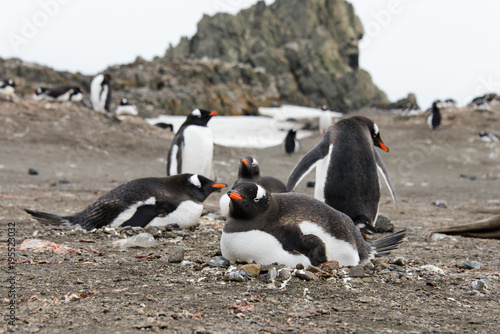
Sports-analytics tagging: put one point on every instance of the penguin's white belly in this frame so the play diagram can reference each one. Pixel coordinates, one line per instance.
(321, 174)
(77, 97)
(260, 247)
(336, 250)
(198, 150)
(186, 215)
(65, 96)
(325, 121)
(429, 121)
(126, 110)
(7, 91)
(224, 205)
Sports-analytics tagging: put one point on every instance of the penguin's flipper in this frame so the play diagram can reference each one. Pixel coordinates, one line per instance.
(383, 171)
(47, 218)
(146, 213)
(308, 162)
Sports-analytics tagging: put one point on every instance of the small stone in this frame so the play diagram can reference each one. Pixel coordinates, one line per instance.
(383, 224)
(177, 256)
(140, 240)
(219, 261)
(63, 180)
(330, 267)
(305, 275)
(109, 230)
(299, 266)
(437, 237)
(470, 265)
(368, 279)
(369, 265)
(272, 274)
(154, 231)
(432, 268)
(32, 171)
(440, 204)
(233, 276)
(357, 271)
(481, 285)
(313, 269)
(252, 268)
(283, 274)
(400, 261)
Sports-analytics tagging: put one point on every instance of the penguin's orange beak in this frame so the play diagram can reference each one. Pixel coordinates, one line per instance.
(244, 161)
(219, 185)
(382, 146)
(213, 113)
(234, 195)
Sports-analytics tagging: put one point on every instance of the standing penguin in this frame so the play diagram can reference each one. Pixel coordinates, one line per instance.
(249, 171)
(193, 145)
(174, 200)
(100, 92)
(346, 170)
(325, 120)
(434, 117)
(293, 228)
(291, 143)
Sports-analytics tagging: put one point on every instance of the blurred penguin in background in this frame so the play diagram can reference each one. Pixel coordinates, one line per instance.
(126, 108)
(325, 120)
(100, 93)
(291, 143)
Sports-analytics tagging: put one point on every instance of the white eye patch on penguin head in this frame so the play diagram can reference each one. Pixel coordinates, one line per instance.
(195, 181)
(196, 113)
(375, 129)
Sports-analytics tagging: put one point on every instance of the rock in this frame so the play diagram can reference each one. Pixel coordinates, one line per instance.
(400, 261)
(433, 269)
(357, 271)
(283, 274)
(481, 285)
(32, 171)
(63, 180)
(272, 274)
(470, 265)
(219, 261)
(299, 266)
(440, 204)
(313, 269)
(177, 255)
(144, 240)
(383, 224)
(154, 231)
(438, 236)
(252, 268)
(306, 275)
(232, 274)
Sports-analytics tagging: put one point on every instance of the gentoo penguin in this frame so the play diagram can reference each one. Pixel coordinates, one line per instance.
(7, 88)
(293, 228)
(325, 120)
(489, 137)
(125, 108)
(249, 171)
(346, 170)
(291, 143)
(174, 200)
(100, 92)
(193, 145)
(63, 93)
(434, 117)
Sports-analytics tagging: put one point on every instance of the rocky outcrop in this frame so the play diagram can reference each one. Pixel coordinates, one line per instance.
(293, 52)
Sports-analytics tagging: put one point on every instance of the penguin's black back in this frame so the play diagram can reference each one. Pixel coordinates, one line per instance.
(290, 142)
(352, 184)
(436, 116)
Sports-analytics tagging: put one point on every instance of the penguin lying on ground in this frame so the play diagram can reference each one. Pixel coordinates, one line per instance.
(175, 200)
(346, 170)
(193, 145)
(63, 93)
(7, 89)
(125, 108)
(249, 171)
(488, 137)
(434, 118)
(293, 228)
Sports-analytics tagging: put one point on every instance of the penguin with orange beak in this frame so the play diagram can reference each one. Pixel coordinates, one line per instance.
(347, 170)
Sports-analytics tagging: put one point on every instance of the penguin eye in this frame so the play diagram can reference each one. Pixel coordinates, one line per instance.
(256, 200)
(254, 164)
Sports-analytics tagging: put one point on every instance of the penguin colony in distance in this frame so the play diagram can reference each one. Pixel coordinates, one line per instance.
(291, 143)
(193, 145)
(63, 93)
(434, 118)
(249, 171)
(125, 108)
(293, 228)
(100, 93)
(174, 200)
(346, 170)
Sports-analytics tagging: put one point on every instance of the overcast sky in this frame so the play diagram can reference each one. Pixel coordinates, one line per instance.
(436, 49)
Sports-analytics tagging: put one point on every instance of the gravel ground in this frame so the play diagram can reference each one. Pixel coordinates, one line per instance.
(81, 281)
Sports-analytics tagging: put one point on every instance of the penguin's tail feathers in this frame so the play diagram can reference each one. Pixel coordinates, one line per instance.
(48, 218)
(384, 245)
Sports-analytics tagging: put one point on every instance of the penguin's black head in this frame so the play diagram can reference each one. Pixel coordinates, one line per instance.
(249, 169)
(200, 116)
(248, 200)
(106, 79)
(11, 83)
(77, 90)
(374, 132)
(200, 187)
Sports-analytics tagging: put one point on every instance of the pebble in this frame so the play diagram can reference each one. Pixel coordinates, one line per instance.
(252, 268)
(432, 268)
(313, 269)
(357, 271)
(438, 236)
(305, 275)
(272, 274)
(144, 240)
(470, 265)
(384, 224)
(177, 256)
(481, 285)
(400, 261)
(233, 276)
(219, 261)
(32, 171)
(440, 203)
(299, 266)
(154, 231)
(63, 180)
(284, 274)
